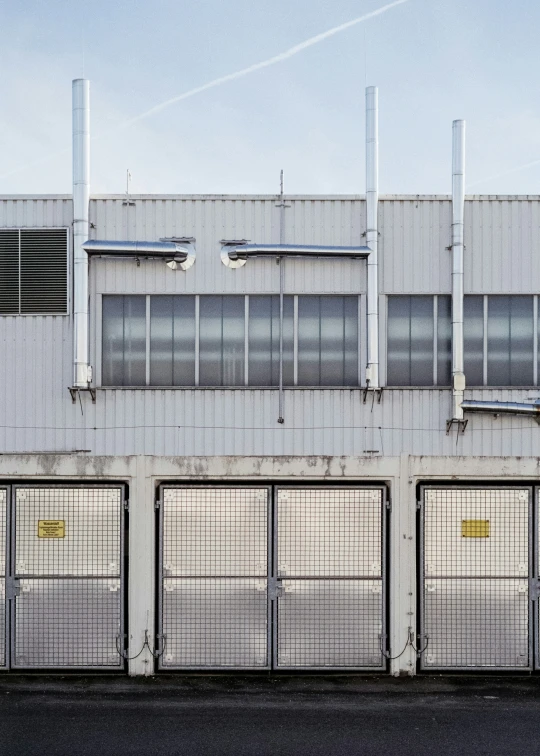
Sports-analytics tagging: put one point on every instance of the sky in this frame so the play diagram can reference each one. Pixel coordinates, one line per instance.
(433, 61)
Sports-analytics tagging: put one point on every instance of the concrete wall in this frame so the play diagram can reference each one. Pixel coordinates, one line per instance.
(143, 474)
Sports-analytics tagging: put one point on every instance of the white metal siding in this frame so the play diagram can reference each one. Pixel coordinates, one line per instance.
(36, 412)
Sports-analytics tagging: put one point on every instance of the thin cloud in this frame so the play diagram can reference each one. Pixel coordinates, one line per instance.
(292, 51)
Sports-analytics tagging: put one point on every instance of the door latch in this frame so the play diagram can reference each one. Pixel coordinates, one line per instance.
(534, 589)
(275, 588)
(13, 588)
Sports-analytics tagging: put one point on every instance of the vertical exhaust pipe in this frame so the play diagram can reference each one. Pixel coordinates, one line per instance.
(458, 213)
(372, 197)
(81, 197)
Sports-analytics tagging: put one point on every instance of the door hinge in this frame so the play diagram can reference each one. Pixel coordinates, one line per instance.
(157, 504)
(126, 505)
(389, 505)
(419, 505)
(13, 588)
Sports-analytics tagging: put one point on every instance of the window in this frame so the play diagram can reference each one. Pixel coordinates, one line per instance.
(124, 341)
(419, 341)
(263, 339)
(172, 341)
(231, 340)
(499, 338)
(327, 341)
(33, 271)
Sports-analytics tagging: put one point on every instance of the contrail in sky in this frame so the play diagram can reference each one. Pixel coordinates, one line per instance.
(229, 77)
(505, 173)
(263, 64)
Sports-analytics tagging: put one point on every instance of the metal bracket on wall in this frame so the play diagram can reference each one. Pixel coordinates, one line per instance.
(74, 391)
(461, 425)
(377, 394)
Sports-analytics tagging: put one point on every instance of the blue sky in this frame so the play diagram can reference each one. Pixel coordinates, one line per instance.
(433, 61)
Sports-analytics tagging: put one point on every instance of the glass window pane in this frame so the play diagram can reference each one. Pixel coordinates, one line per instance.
(422, 341)
(327, 341)
(510, 340)
(473, 340)
(161, 341)
(183, 341)
(124, 341)
(350, 368)
(309, 340)
(172, 341)
(112, 329)
(444, 340)
(498, 341)
(398, 361)
(135, 341)
(221, 341)
(264, 341)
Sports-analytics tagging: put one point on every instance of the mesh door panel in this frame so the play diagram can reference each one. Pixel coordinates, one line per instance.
(325, 532)
(3, 518)
(214, 577)
(477, 623)
(215, 623)
(330, 623)
(69, 609)
(335, 535)
(91, 520)
(476, 569)
(68, 623)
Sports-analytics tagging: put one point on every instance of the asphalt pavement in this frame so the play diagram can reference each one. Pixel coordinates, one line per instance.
(188, 716)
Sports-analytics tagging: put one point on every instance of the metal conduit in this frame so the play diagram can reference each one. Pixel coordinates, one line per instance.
(372, 235)
(81, 198)
(239, 252)
(182, 253)
(458, 212)
(500, 408)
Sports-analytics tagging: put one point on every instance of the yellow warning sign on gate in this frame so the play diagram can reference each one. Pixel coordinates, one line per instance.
(51, 528)
(475, 528)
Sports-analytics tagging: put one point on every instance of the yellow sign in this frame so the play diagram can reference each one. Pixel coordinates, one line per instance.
(51, 528)
(475, 528)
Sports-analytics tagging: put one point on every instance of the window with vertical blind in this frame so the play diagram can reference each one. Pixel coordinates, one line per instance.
(212, 341)
(33, 271)
(419, 344)
(500, 340)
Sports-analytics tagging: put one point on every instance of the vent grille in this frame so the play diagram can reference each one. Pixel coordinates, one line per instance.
(33, 271)
(9, 272)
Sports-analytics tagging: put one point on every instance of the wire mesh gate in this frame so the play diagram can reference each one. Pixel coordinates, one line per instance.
(476, 573)
(256, 578)
(64, 576)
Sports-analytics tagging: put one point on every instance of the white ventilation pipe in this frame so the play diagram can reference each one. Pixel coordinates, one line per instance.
(372, 197)
(458, 212)
(81, 198)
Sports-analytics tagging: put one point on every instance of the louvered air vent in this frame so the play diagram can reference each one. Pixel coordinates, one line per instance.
(33, 271)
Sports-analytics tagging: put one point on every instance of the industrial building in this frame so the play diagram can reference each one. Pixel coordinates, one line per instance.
(283, 433)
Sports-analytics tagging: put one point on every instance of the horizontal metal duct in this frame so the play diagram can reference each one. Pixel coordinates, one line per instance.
(499, 408)
(235, 254)
(175, 254)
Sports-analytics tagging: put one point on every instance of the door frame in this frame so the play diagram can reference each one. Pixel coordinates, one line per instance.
(421, 577)
(273, 486)
(11, 537)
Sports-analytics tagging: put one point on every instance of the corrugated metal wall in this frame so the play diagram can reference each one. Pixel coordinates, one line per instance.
(36, 412)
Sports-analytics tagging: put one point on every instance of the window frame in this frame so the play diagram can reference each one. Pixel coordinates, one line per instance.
(245, 385)
(435, 336)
